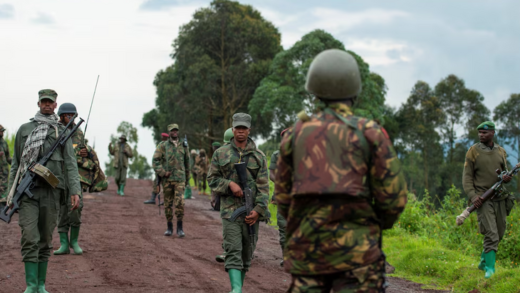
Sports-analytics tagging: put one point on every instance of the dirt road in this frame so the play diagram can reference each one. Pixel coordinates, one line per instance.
(125, 251)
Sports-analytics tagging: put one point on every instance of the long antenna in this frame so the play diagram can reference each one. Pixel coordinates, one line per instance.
(91, 103)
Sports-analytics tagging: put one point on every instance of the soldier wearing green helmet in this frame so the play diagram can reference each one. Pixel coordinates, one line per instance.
(228, 135)
(315, 182)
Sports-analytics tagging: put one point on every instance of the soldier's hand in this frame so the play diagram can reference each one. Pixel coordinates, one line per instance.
(478, 202)
(167, 174)
(252, 218)
(507, 179)
(83, 153)
(235, 189)
(74, 201)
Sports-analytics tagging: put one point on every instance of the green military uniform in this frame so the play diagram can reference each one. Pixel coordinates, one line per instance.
(338, 184)
(280, 220)
(38, 216)
(173, 156)
(121, 152)
(202, 164)
(194, 168)
(479, 175)
(5, 161)
(222, 171)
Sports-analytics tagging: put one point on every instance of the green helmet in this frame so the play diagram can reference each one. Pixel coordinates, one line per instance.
(334, 75)
(228, 135)
(67, 108)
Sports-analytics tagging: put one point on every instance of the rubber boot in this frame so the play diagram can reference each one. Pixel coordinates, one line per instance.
(180, 233)
(169, 232)
(235, 277)
(31, 277)
(118, 189)
(152, 199)
(243, 277)
(490, 263)
(74, 234)
(221, 257)
(482, 263)
(122, 192)
(42, 275)
(64, 245)
(187, 193)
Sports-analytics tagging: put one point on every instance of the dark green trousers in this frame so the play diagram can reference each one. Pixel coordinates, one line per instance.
(282, 224)
(237, 244)
(120, 175)
(492, 222)
(67, 217)
(38, 217)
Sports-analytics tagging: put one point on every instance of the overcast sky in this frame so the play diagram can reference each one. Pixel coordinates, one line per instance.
(64, 45)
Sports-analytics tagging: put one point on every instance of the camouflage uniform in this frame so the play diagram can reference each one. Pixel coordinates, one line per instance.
(338, 183)
(121, 153)
(194, 167)
(280, 220)
(202, 164)
(172, 156)
(5, 161)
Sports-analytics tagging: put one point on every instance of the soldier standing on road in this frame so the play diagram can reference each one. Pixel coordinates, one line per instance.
(156, 184)
(223, 179)
(338, 183)
(215, 145)
(194, 168)
(121, 152)
(5, 161)
(482, 159)
(202, 164)
(171, 162)
(38, 215)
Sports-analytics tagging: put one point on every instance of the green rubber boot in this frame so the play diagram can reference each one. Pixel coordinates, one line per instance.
(64, 245)
(42, 275)
(482, 263)
(119, 190)
(243, 277)
(187, 193)
(490, 258)
(122, 192)
(235, 277)
(31, 277)
(74, 234)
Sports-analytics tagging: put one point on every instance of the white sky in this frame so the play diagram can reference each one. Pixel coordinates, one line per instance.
(64, 45)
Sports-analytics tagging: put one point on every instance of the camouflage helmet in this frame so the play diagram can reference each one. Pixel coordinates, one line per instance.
(334, 75)
(228, 135)
(193, 152)
(67, 108)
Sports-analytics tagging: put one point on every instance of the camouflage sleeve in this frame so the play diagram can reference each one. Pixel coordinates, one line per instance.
(71, 167)
(262, 185)
(111, 149)
(284, 175)
(468, 175)
(16, 159)
(187, 163)
(157, 161)
(386, 177)
(128, 150)
(216, 179)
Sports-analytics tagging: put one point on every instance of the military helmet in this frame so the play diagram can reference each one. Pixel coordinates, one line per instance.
(193, 152)
(2, 128)
(334, 75)
(228, 135)
(67, 108)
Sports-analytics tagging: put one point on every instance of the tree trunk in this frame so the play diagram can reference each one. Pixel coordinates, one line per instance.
(425, 156)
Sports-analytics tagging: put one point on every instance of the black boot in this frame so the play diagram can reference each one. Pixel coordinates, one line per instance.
(152, 199)
(180, 233)
(169, 232)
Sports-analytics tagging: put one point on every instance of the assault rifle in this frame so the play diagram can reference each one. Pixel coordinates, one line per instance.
(38, 169)
(489, 194)
(246, 209)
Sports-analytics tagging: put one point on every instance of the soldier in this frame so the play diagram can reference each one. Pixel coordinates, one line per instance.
(215, 145)
(202, 164)
(482, 159)
(121, 153)
(280, 220)
(224, 180)
(171, 162)
(228, 135)
(156, 184)
(38, 215)
(5, 161)
(194, 168)
(338, 184)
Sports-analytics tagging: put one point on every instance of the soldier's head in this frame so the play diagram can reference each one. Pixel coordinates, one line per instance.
(193, 152)
(66, 111)
(202, 153)
(486, 132)
(174, 130)
(241, 127)
(47, 101)
(334, 77)
(215, 145)
(2, 129)
(228, 135)
(164, 136)
(122, 138)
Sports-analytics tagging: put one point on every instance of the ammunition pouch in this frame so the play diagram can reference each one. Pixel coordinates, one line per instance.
(45, 174)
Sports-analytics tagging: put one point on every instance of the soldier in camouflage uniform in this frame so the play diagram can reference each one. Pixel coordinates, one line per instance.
(156, 184)
(224, 180)
(202, 164)
(171, 162)
(215, 145)
(194, 168)
(338, 184)
(5, 161)
(121, 152)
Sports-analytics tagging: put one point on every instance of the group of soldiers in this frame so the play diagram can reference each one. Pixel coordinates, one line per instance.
(338, 185)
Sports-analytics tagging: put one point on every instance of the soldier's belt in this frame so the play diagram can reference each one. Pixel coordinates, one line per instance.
(45, 174)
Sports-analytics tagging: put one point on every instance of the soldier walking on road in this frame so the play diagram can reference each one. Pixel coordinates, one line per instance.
(202, 164)
(338, 184)
(215, 145)
(156, 184)
(194, 168)
(482, 159)
(38, 215)
(121, 152)
(224, 180)
(172, 163)
(5, 161)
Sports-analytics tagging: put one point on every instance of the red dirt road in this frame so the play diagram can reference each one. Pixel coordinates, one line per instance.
(125, 251)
